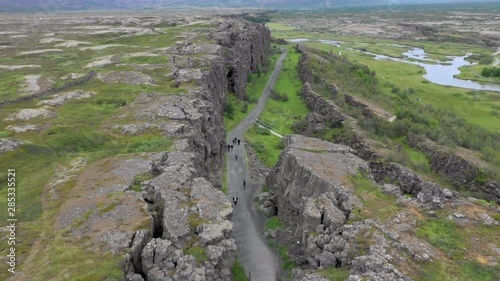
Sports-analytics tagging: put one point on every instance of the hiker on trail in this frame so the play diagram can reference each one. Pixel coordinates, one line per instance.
(239, 141)
(236, 156)
(244, 184)
(231, 147)
(228, 147)
(235, 200)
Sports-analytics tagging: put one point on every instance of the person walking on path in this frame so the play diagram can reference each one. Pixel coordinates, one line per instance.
(235, 200)
(244, 184)
(236, 156)
(239, 141)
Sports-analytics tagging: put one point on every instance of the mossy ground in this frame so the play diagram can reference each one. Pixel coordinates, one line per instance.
(81, 129)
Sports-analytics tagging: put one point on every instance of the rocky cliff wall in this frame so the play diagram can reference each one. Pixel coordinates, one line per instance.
(309, 181)
(190, 238)
(315, 201)
(248, 52)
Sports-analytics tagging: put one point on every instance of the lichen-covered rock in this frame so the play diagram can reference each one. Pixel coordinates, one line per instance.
(125, 77)
(428, 193)
(9, 144)
(325, 111)
(189, 211)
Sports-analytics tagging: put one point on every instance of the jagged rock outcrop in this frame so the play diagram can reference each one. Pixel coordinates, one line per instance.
(318, 204)
(461, 167)
(428, 193)
(314, 200)
(329, 112)
(248, 46)
(191, 236)
(258, 171)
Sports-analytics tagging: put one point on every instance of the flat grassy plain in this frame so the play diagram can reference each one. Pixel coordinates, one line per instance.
(78, 129)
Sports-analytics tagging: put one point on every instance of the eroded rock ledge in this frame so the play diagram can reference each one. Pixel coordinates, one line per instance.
(314, 196)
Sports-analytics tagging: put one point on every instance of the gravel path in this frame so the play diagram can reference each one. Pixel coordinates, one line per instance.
(257, 257)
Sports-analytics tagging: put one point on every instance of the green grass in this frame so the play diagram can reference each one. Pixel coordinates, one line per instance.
(404, 154)
(376, 204)
(473, 72)
(198, 253)
(458, 243)
(273, 224)
(267, 147)
(286, 262)
(475, 109)
(333, 273)
(70, 261)
(445, 235)
(238, 271)
(468, 270)
(379, 48)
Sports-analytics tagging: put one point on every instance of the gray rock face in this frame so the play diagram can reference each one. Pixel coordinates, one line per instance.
(325, 110)
(258, 171)
(313, 200)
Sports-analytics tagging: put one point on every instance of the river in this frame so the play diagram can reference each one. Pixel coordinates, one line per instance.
(437, 72)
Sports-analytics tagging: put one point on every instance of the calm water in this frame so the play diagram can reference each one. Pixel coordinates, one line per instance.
(438, 72)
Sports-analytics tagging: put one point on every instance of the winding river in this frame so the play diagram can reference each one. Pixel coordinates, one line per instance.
(437, 72)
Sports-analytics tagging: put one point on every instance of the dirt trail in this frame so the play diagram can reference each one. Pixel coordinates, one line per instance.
(259, 260)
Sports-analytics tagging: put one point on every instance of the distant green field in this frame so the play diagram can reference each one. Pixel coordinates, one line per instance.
(474, 106)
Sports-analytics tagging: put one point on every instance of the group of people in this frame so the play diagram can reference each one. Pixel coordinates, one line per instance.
(236, 141)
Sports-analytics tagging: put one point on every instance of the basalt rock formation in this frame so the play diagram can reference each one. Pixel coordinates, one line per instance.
(190, 237)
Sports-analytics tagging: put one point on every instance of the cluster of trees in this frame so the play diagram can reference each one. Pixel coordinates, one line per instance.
(481, 58)
(490, 72)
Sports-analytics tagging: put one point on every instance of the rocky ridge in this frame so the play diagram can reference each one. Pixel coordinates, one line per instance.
(191, 232)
